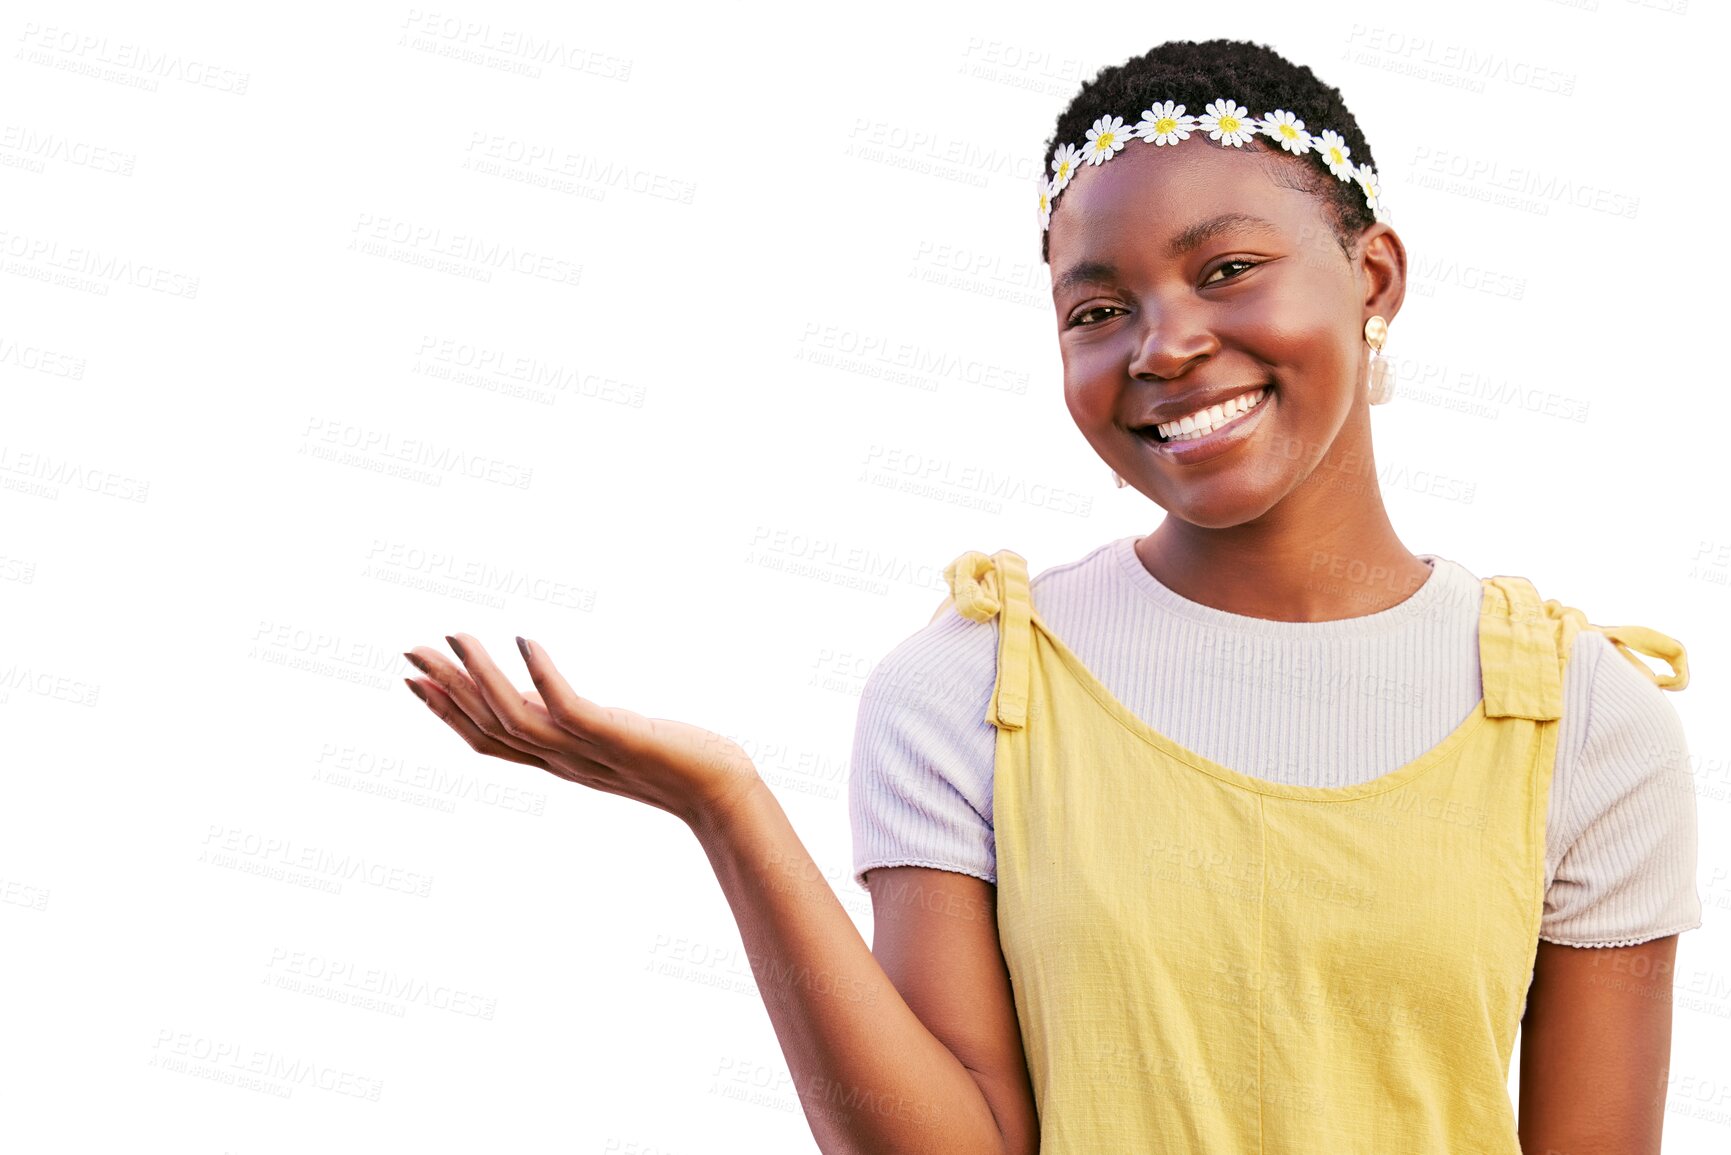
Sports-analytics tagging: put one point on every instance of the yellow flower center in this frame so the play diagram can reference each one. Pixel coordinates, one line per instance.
(1334, 155)
(1064, 169)
(1288, 132)
(1104, 140)
(1165, 125)
(1229, 124)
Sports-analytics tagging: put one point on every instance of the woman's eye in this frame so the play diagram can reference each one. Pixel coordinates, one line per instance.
(1077, 319)
(1227, 264)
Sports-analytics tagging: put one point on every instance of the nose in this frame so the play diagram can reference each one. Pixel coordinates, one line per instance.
(1169, 339)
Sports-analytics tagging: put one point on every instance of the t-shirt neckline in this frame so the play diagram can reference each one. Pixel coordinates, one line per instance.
(1421, 602)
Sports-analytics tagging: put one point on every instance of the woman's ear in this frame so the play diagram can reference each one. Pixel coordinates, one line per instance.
(1383, 258)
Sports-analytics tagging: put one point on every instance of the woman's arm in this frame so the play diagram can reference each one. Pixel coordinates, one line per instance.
(872, 1076)
(1596, 1049)
(869, 1073)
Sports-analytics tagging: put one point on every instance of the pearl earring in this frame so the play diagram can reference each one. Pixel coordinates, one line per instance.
(1381, 371)
(1121, 483)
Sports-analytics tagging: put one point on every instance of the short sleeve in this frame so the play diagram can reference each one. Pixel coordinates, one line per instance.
(920, 775)
(1628, 873)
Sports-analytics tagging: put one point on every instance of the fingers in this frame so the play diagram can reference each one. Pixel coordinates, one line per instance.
(441, 704)
(514, 715)
(466, 698)
(577, 716)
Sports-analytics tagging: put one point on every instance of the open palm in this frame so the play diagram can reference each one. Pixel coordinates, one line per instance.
(682, 769)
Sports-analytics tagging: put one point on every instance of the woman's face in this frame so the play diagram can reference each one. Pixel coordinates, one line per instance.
(1170, 298)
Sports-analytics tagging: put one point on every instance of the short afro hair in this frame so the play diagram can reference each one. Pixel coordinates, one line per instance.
(1193, 73)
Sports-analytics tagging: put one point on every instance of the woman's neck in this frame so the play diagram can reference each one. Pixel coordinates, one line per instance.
(1348, 569)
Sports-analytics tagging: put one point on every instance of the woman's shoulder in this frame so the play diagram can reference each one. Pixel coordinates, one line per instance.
(950, 663)
(946, 665)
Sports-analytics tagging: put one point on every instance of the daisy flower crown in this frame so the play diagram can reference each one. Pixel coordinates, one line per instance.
(1225, 121)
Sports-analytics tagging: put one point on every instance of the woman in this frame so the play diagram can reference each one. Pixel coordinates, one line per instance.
(1240, 835)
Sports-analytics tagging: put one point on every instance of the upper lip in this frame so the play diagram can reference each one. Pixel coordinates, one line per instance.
(1176, 407)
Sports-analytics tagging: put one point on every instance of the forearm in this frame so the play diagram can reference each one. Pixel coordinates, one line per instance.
(1595, 1049)
(869, 1074)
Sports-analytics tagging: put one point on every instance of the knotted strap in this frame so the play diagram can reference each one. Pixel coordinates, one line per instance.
(1629, 640)
(986, 586)
(1525, 642)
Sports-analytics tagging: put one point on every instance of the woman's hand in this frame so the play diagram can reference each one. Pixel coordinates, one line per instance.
(689, 772)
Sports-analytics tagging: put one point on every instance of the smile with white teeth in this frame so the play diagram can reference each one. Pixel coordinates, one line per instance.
(1205, 421)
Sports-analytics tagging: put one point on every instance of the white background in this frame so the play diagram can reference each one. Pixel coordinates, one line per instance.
(776, 257)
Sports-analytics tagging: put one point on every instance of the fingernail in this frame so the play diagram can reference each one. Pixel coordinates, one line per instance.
(416, 689)
(524, 647)
(418, 662)
(457, 647)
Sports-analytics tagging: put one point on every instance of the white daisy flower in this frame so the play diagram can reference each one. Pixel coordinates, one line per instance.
(1165, 123)
(1367, 180)
(1045, 202)
(1286, 128)
(1064, 164)
(1334, 151)
(1228, 122)
(1105, 139)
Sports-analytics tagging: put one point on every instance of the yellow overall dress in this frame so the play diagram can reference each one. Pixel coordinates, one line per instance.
(1208, 962)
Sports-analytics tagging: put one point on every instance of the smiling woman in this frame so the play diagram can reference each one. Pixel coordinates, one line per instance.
(1252, 833)
(1274, 812)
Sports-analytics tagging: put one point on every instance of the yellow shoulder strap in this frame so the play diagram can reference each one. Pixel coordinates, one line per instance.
(1518, 652)
(1524, 645)
(1629, 640)
(985, 586)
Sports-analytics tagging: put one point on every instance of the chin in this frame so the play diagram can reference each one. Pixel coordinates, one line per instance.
(1217, 506)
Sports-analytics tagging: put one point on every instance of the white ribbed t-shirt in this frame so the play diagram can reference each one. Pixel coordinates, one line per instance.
(1310, 703)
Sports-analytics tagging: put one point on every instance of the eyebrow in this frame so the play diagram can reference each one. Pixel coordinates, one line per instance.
(1101, 272)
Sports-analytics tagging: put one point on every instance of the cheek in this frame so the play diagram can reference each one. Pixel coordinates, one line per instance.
(1307, 354)
(1290, 330)
(1090, 401)
(1093, 377)
(1298, 329)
